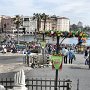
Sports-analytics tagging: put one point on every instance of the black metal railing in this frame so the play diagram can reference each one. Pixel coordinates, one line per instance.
(7, 83)
(39, 84)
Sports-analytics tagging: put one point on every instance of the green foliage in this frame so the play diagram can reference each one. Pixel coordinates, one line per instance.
(17, 21)
(65, 33)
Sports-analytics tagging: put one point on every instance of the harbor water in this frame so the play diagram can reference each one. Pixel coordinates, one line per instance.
(53, 41)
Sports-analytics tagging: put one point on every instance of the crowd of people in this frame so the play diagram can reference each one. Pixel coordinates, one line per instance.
(67, 52)
(70, 54)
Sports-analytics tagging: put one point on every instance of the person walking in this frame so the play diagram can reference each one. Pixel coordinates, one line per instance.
(86, 56)
(49, 49)
(71, 56)
(65, 53)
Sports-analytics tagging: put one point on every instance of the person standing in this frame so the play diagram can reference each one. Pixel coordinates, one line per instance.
(49, 49)
(86, 56)
(70, 55)
(65, 53)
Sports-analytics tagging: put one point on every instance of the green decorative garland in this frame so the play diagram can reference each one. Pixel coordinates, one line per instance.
(65, 34)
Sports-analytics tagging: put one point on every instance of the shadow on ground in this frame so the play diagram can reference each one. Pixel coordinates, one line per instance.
(77, 67)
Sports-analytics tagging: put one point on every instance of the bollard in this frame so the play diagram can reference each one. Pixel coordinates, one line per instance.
(27, 60)
(89, 58)
(78, 84)
(68, 86)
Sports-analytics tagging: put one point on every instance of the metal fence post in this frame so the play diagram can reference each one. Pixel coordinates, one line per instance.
(40, 84)
(68, 86)
(27, 60)
(6, 83)
(78, 84)
(89, 57)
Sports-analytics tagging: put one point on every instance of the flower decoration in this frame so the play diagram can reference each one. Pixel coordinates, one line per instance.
(54, 33)
(66, 34)
(55, 54)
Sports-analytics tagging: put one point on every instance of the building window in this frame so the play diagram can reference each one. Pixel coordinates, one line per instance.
(26, 19)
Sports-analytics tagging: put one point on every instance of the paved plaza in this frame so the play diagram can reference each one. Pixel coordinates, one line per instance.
(74, 71)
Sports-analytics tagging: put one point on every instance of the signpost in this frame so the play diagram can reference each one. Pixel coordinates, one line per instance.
(56, 61)
(43, 44)
(57, 51)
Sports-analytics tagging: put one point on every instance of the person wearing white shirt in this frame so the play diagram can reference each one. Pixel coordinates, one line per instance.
(65, 53)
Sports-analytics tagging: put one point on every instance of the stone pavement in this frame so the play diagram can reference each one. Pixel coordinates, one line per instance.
(11, 54)
(74, 71)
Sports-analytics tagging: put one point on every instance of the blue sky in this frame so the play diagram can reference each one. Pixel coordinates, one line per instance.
(75, 10)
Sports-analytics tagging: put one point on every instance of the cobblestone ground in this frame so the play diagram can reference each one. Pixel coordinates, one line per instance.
(73, 72)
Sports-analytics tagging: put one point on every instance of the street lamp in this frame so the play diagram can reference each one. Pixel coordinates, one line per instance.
(57, 51)
(5, 29)
(89, 57)
(35, 35)
(24, 33)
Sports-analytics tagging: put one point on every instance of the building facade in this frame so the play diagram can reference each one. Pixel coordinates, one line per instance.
(63, 24)
(30, 24)
(51, 24)
(56, 23)
(48, 25)
(6, 24)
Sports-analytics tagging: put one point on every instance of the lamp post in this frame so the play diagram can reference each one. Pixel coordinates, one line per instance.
(5, 29)
(18, 35)
(43, 36)
(57, 51)
(35, 35)
(24, 33)
(44, 18)
(43, 48)
(89, 57)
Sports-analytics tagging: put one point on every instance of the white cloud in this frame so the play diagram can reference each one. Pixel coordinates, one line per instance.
(72, 7)
(69, 8)
(16, 6)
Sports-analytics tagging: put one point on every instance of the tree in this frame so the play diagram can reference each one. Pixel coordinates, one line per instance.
(37, 16)
(73, 27)
(44, 17)
(40, 17)
(17, 22)
(86, 29)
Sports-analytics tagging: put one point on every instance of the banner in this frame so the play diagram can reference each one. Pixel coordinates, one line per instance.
(57, 61)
